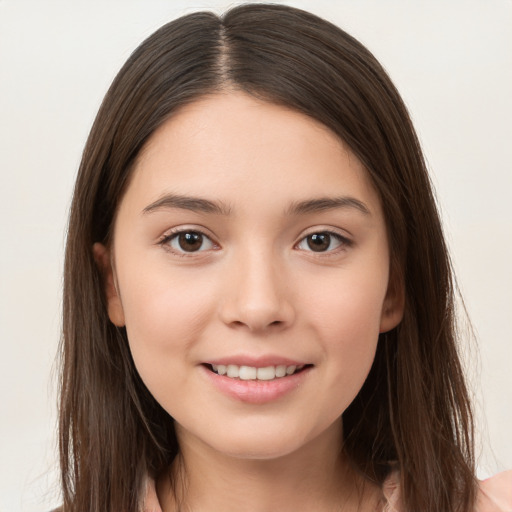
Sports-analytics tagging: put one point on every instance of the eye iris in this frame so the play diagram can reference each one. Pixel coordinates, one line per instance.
(191, 241)
(319, 242)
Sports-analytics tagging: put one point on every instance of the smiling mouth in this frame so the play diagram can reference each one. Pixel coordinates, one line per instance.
(266, 373)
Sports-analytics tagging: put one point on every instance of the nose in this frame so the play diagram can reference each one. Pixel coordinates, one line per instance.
(257, 295)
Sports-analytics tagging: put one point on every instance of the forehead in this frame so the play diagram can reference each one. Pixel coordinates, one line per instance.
(237, 148)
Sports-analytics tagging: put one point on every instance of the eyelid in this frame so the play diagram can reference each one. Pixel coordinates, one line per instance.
(344, 240)
(174, 232)
(197, 228)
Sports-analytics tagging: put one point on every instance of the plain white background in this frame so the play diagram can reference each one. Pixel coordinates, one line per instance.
(452, 62)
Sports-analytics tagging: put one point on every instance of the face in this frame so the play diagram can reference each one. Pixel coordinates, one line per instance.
(250, 267)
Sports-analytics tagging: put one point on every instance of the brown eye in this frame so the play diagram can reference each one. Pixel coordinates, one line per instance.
(319, 242)
(323, 241)
(189, 241)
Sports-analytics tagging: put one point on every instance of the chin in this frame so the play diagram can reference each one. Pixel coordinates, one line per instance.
(260, 440)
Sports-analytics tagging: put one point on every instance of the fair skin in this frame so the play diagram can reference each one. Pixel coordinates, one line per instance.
(250, 236)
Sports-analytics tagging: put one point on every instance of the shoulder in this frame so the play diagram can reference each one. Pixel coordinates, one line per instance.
(494, 494)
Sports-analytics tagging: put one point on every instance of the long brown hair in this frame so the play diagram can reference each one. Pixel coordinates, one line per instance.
(413, 411)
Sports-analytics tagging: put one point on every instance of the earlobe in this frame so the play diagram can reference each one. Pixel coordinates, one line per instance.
(393, 307)
(102, 257)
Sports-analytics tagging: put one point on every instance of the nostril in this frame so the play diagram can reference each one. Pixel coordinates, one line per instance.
(238, 323)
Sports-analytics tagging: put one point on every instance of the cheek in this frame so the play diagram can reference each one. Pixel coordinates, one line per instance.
(163, 320)
(348, 305)
(346, 318)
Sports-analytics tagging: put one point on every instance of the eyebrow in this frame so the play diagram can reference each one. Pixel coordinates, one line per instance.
(195, 204)
(327, 203)
(198, 204)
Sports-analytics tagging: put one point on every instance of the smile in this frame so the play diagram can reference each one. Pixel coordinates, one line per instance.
(242, 372)
(257, 384)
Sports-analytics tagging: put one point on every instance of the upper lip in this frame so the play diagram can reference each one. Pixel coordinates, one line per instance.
(257, 362)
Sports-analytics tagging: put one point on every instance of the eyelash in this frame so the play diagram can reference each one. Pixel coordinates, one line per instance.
(343, 242)
(174, 235)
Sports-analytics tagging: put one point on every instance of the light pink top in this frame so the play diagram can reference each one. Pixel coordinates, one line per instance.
(495, 495)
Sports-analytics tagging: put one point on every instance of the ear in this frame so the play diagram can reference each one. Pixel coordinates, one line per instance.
(103, 260)
(393, 306)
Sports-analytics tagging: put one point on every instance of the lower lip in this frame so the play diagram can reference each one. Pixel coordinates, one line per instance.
(257, 391)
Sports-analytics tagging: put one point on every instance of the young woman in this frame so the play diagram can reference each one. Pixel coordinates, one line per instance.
(258, 299)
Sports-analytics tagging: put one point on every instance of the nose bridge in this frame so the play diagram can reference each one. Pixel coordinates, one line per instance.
(257, 296)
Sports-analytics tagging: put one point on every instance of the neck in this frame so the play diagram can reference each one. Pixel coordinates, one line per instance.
(316, 477)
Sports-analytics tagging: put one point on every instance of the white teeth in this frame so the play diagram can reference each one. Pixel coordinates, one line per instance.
(220, 369)
(233, 371)
(252, 373)
(247, 373)
(267, 373)
(280, 370)
(290, 369)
